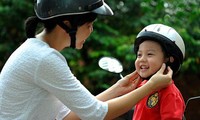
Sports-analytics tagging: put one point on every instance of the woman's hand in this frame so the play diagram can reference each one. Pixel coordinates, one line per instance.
(162, 78)
(123, 86)
(128, 83)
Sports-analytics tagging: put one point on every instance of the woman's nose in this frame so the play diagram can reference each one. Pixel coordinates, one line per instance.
(91, 29)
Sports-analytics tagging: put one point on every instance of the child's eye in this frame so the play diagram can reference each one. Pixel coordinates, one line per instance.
(139, 55)
(150, 54)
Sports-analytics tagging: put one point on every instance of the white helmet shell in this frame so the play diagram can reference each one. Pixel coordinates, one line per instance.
(168, 32)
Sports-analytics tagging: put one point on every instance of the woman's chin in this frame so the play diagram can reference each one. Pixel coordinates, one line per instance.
(79, 47)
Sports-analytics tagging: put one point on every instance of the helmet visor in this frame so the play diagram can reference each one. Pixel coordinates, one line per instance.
(103, 10)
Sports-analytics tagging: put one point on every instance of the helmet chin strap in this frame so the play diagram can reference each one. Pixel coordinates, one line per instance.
(71, 31)
(147, 78)
(72, 34)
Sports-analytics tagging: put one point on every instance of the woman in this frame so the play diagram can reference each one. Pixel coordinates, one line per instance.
(37, 83)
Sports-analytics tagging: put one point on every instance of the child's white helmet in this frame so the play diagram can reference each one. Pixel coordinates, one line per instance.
(168, 38)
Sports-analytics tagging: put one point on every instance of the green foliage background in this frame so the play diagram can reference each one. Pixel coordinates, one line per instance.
(114, 36)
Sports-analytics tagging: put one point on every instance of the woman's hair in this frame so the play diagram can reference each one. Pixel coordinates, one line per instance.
(75, 21)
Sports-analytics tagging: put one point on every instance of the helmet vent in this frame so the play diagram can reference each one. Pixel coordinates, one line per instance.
(80, 8)
(158, 29)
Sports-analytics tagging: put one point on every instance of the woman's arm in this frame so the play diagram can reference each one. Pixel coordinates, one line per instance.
(125, 85)
(122, 104)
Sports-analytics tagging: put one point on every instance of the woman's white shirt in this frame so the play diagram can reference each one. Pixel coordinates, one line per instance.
(36, 83)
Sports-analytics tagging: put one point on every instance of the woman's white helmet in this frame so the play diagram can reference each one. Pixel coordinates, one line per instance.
(168, 38)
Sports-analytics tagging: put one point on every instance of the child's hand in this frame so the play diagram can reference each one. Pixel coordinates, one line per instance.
(162, 78)
(129, 82)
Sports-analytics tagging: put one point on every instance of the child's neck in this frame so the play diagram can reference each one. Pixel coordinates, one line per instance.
(147, 78)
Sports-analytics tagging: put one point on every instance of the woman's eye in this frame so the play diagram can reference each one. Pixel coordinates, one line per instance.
(90, 26)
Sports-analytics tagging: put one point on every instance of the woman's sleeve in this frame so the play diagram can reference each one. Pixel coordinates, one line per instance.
(54, 75)
(64, 111)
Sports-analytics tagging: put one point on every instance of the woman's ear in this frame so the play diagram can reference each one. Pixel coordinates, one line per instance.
(66, 22)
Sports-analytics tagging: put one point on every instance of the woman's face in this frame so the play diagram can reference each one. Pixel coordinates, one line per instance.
(149, 59)
(83, 33)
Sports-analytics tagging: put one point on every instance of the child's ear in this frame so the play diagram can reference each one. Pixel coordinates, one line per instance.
(171, 59)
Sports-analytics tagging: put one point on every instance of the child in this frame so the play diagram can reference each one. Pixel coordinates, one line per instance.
(157, 44)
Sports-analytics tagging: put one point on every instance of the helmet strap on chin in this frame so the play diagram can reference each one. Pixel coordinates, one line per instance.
(71, 31)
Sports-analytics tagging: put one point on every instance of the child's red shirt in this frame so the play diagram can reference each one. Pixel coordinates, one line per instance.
(166, 104)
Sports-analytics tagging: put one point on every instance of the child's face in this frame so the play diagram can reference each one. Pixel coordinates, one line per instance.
(150, 57)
